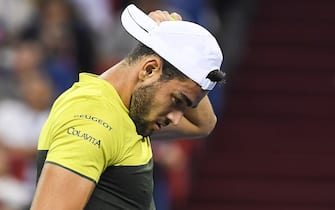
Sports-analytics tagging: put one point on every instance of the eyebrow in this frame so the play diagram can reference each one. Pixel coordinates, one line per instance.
(187, 100)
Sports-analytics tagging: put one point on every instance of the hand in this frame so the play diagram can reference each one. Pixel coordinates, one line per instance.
(159, 16)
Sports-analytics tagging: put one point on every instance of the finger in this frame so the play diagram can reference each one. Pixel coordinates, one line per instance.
(166, 16)
(156, 16)
(176, 16)
(159, 16)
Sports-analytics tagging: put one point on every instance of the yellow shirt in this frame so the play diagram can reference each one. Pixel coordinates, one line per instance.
(89, 129)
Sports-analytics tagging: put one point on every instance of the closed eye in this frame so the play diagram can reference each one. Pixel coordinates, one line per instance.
(181, 101)
(177, 101)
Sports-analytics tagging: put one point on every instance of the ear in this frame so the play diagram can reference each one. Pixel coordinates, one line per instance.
(152, 66)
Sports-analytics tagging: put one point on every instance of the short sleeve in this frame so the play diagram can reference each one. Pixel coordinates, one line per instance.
(84, 141)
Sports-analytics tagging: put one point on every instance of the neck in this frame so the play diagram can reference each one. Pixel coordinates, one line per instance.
(123, 77)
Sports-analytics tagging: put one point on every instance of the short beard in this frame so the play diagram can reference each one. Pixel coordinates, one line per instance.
(140, 106)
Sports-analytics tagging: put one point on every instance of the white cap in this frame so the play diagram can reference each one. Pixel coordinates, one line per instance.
(187, 46)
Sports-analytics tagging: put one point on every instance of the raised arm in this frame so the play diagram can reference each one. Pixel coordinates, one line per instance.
(196, 123)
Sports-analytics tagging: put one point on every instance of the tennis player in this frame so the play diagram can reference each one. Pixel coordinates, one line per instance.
(94, 151)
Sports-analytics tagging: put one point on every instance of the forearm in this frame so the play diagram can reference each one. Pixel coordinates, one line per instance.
(202, 116)
(196, 123)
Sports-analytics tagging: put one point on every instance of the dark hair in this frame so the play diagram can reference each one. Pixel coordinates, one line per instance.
(217, 76)
(169, 71)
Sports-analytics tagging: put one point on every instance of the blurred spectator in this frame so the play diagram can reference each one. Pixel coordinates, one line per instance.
(66, 39)
(20, 125)
(98, 13)
(14, 194)
(100, 16)
(21, 121)
(26, 60)
(14, 15)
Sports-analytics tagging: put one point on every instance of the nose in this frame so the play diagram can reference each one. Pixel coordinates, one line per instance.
(175, 116)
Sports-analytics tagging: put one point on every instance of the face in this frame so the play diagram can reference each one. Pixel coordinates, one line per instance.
(158, 104)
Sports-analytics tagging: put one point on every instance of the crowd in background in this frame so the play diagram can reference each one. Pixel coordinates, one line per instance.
(45, 44)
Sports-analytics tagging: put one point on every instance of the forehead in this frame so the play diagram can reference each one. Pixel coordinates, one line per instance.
(186, 88)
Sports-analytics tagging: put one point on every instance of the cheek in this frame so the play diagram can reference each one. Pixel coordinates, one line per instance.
(161, 106)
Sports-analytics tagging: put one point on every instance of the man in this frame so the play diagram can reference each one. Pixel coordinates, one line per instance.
(95, 148)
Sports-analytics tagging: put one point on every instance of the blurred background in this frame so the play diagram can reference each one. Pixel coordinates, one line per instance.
(274, 145)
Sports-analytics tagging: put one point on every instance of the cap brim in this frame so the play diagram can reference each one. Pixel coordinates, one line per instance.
(137, 23)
